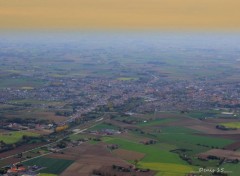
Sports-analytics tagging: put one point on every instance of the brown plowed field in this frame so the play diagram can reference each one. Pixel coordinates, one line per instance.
(9, 161)
(128, 155)
(235, 137)
(233, 146)
(228, 154)
(20, 149)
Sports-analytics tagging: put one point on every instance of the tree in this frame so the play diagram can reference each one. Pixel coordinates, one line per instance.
(136, 162)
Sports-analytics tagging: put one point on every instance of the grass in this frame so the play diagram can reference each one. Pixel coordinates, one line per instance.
(76, 137)
(171, 138)
(27, 88)
(184, 140)
(156, 122)
(153, 153)
(196, 114)
(35, 102)
(36, 113)
(44, 174)
(160, 160)
(103, 126)
(13, 137)
(19, 83)
(231, 124)
(53, 166)
(178, 130)
(127, 78)
(167, 169)
(234, 168)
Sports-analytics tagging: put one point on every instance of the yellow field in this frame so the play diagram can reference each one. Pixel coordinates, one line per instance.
(231, 124)
(27, 88)
(167, 169)
(127, 78)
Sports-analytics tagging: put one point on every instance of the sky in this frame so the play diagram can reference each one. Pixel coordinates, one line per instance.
(120, 14)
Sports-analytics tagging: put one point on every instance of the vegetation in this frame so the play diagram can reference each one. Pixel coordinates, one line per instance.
(53, 166)
(13, 137)
(231, 124)
(156, 122)
(104, 126)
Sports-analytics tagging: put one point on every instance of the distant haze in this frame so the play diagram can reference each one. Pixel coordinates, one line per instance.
(140, 14)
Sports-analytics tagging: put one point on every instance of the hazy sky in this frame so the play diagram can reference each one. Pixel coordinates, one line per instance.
(139, 14)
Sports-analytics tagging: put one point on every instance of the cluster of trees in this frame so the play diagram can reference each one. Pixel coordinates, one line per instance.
(62, 144)
(4, 170)
(183, 155)
(150, 142)
(102, 173)
(222, 127)
(203, 145)
(121, 169)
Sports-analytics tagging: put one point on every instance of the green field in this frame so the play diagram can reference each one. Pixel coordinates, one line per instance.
(156, 122)
(13, 137)
(167, 169)
(156, 158)
(203, 114)
(104, 126)
(233, 168)
(177, 129)
(44, 174)
(153, 153)
(127, 78)
(19, 83)
(184, 140)
(231, 124)
(53, 166)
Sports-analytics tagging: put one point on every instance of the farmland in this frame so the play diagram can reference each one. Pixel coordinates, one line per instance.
(13, 137)
(127, 78)
(143, 104)
(231, 124)
(53, 166)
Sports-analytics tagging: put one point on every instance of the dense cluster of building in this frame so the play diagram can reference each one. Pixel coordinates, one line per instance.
(85, 94)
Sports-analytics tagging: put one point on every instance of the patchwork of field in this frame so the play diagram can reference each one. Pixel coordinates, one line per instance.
(87, 158)
(176, 132)
(154, 156)
(172, 137)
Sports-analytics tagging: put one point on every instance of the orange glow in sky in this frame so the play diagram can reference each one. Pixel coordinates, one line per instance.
(173, 14)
